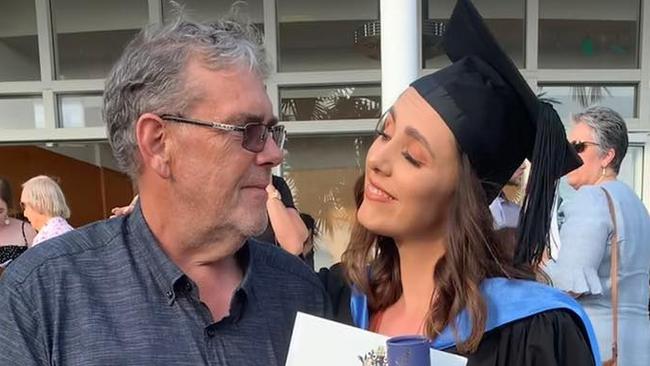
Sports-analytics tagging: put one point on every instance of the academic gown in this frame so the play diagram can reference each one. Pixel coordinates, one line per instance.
(529, 324)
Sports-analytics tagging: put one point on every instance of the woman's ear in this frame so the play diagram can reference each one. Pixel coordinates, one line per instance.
(608, 157)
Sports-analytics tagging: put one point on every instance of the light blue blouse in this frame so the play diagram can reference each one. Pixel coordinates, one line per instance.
(583, 266)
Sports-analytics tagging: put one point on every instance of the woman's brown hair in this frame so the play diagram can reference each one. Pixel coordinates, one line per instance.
(473, 252)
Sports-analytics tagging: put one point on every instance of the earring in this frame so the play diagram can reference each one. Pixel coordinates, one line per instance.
(604, 172)
(7, 222)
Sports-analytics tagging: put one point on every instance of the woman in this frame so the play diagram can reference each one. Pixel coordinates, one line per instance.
(583, 265)
(44, 206)
(424, 257)
(15, 235)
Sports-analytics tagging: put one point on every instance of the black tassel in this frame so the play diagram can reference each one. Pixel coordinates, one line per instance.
(547, 166)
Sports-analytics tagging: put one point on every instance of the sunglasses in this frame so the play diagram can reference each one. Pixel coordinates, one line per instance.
(580, 146)
(254, 134)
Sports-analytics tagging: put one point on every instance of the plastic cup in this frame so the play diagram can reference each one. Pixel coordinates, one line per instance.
(408, 351)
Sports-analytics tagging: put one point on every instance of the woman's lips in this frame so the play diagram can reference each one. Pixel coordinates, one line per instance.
(374, 193)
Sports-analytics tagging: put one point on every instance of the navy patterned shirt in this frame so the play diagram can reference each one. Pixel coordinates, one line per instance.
(106, 294)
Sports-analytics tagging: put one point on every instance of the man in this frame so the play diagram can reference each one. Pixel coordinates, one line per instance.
(176, 282)
(505, 210)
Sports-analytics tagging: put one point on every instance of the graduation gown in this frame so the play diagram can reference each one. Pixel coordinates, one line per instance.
(528, 323)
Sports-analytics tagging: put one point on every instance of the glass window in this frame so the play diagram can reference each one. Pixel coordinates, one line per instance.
(320, 35)
(504, 18)
(322, 172)
(203, 10)
(24, 112)
(80, 111)
(570, 99)
(328, 103)
(589, 34)
(632, 168)
(18, 41)
(89, 36)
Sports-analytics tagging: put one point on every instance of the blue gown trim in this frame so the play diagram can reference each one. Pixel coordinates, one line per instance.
(507, 301)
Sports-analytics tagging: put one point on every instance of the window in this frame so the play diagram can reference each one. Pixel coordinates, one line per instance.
(329, 103)
(80, 111)
(570, 99)
(90, 35)
(589, 34)
(18, 41)
(322, 172)
(320, 35)
(204, 10)
(21, 112)
(504, 18)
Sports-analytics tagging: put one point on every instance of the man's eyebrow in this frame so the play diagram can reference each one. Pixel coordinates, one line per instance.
(244, 118)
(412, 132)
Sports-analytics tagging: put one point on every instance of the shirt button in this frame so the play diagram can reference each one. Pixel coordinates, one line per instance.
(188, 287)
(169, 294)
(211, 332)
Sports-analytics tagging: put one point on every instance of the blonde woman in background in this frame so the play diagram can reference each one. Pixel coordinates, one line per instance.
(45, 207)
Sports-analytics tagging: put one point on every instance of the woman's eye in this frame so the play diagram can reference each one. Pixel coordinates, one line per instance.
(411, 160)
(383, 135)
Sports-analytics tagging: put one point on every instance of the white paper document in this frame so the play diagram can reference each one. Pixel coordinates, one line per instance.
(320, 342)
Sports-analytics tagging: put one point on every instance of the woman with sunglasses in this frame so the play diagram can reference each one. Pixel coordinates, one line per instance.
(424, 257)
(582, 268)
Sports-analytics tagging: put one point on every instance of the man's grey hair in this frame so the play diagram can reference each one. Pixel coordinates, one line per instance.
(609, 132)
(149, 76)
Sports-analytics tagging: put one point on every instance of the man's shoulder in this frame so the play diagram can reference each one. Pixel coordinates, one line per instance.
(63, 249)
(273, 260)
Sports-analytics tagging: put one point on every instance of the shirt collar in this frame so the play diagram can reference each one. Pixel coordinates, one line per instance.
(142, 241)
(167, 275)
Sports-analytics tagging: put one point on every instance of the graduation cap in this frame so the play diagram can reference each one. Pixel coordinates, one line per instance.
(498, 122)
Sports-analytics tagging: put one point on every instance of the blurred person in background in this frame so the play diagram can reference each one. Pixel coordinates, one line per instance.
(286, 229)
(15, 235)
(505, 208)
(45, 207)
(599, 136)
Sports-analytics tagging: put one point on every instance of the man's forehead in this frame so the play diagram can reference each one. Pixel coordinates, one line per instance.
(236, 95)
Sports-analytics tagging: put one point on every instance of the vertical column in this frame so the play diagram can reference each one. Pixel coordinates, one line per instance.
(531, 20)
(155, 11)
(399, 48)
(643, 91)
(46, 56)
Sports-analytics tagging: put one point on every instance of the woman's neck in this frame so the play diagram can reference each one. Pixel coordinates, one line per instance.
(608, 176)
(418, 259)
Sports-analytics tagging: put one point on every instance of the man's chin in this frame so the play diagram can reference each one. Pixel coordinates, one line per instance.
(256, 228)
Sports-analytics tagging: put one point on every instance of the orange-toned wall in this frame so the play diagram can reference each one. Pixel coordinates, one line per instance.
(81, 182)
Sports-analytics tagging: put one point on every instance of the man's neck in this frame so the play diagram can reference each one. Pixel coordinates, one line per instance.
(208, 259)
(181, 241)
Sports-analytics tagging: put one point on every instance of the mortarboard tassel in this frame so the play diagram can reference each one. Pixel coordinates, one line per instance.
(547, 165)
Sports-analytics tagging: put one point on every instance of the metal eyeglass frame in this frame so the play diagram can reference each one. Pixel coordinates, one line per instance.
(277, 132)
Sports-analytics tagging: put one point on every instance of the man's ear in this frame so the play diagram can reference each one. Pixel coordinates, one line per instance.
(151, 137)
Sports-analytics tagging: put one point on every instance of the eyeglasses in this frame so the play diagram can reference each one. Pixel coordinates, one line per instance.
(254, 134)
(580, 146)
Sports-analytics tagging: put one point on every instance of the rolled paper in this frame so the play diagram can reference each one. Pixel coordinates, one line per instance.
(408, 351)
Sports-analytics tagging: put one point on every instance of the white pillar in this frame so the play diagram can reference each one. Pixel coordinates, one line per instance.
(399, 48)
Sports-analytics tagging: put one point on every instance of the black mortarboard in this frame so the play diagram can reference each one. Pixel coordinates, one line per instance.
(498, 122)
